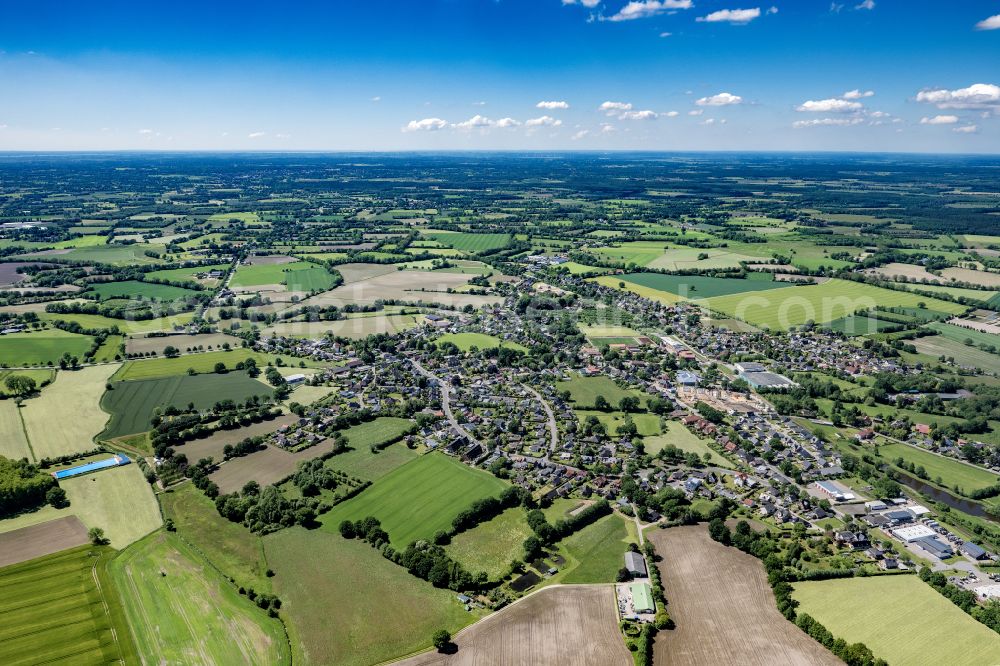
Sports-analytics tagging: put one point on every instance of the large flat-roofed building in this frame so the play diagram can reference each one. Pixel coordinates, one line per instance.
(636, 564)
(835, 491)
(766, 380)
(912, 533)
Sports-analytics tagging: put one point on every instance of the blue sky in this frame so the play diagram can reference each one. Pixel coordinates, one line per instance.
(888, 75)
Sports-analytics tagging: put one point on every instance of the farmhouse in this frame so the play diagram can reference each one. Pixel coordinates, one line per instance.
(835, 491)
(642, 598)
(635, 564)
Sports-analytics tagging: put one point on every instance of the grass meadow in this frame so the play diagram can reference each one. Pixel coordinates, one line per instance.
(952, 472)
(41, 347)
(594, 554)
(200, 363)
(134, 288)
(472, 243)
(926, 627)
(583, 391)
(118, 500)
(182, 610)
(491, 546)
(417, 499)
(466, 341)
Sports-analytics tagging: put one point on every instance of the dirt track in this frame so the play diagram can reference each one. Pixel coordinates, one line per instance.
(565, 625)
(724, 608)
(28, 543)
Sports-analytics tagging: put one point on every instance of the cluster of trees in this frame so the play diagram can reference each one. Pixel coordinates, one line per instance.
(265, 510)
(545, 534)
(24, 486)
(128, 311)
(175, 426)
(486, 509)
(312, 476)
(420, 558)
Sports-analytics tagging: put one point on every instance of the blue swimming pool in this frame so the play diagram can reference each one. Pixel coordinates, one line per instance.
(114, 461)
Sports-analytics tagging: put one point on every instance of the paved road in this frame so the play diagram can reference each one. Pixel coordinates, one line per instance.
(553, 428)
(446, 403)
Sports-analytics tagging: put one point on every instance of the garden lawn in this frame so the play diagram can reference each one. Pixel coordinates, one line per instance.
(952, 472)
(41, 347)
(491, 546)
(466, 341)
(926, 627)
(416, 500)
(182, 610)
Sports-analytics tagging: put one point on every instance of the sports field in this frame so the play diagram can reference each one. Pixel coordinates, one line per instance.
(131, 404)
(417, 499)
(780, 309)
(181, 610)
(381, 610)
(926, 627)
(48, 346)
(491, 546)
(119, 501)
(134, 288)
(472, 243)
(466, 341)
(952, 472)
(66, 416)
(200, 363)
(54, 610)
(583, 391)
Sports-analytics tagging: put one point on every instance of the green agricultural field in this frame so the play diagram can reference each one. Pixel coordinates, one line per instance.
(780, 309)
(971, 357)
(54, 610)
(257, 275)
(361, 462)
(313, 278)
(200, 363)
(131, 404)
(594, 554)
(466, 341)
(345, 604)
(182, 610)
(41, 376)
(493, 545)
(981, 295)
(580, 269)
(648, 425)
(13, 441)
(853, 325)
(126, 326)
(119, 500)
(682, 438)
(185, 274)
(926, 627)
(697, 286)
(583, 391)
(418, 499)
(472, 243)
(961, 334)
(134, 288)
(952, 472)
(42, 347)
(244, 217)
(230, 547)
(615, 282)
(115, 255)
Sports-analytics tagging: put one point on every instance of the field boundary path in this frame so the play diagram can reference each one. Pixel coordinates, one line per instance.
(446, 403)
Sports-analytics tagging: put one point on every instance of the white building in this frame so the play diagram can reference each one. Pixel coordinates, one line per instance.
(912, 533)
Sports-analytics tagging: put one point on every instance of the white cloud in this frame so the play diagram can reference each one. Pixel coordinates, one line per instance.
(480, 103)
(991, 23)
(425, 125)
(666, 34)
(866, 4)
(552, 105)
(586, 3)
(645, 114)
(831, 122)
(282, 136)
(976, 96)
(581, 134)
(772, 10)
(475, 122)
(256, 135)
(376, 98)
(696, 112)
(722, 99)
(612, 108)
(671, 114)
(939, 120)
(507, 122)
(544, 120)
(3, 126)
(966, 129)
(637, 9)
(829, 106)
(857, 94)
(734, 16)
(145, 131)
(835, 8)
